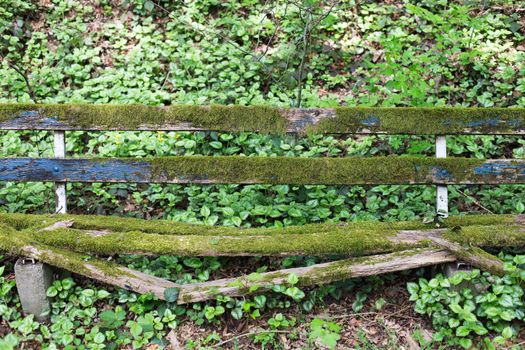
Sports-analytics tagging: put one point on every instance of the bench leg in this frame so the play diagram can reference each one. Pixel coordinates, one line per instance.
(33, 278)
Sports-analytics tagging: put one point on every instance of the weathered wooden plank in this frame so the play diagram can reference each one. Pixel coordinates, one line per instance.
(271, 170)
(399, 120)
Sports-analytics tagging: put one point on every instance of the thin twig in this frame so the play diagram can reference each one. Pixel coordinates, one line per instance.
(24, 76)
(306, 46)
(478, 204)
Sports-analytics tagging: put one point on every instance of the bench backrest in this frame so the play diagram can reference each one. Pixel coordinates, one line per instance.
(271, 170)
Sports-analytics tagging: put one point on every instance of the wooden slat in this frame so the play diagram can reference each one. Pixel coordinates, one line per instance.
(271, 170)
(399, 120)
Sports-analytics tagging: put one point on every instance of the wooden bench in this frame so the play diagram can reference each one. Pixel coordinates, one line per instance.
(64, 240)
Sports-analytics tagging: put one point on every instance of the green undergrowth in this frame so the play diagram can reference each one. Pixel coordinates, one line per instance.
(474, 309)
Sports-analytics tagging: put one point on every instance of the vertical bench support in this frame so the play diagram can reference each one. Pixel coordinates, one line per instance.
(59, 141)
(442, 191)
(33, 278)
(449, 269)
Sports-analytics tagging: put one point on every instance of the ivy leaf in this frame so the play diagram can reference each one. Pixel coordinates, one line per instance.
(379, 303)
(149, 5)
(456, 308)
(52, 292)
(171, 294)
(205, 211)
(462, 331)
(453, 322)
(466, 343)
(507, 333)
(216, 144)
(292, 279)
(413, 288)
(237, 313)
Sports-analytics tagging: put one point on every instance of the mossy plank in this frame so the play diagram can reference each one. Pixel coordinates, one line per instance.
(364, 120)
(316, 274)
(21, 221)
(341, 242)
(475, 256)
(268, 170)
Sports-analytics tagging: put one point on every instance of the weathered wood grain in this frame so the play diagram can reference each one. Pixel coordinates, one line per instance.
(270, 170)
(345, 120)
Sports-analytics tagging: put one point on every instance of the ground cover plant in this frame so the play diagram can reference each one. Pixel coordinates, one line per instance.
(278, 53)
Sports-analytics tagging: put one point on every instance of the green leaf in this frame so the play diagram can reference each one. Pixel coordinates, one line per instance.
(149, 5)
(308, 305)
(102, 294)
(67, 283)
(456, 308)
(292, 279)
(379, 303)
(216, 144)
(507, 315)
(492, 311)
(506, 300)
(453, 322)
(457, 278)
(507, 332)
(205, 211)
(466, 343)
(135, 329)
(99, 338)
(237, 313)
(171, 294)
(462, 331)
(413, 288)
(295, 293)
(52, 292)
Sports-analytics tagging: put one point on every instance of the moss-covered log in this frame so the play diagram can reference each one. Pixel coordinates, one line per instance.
(267, 170)
(317, 274)
(344, 241)
(136, 281)
(166, 227)
(475, 256)
(21, 243)
(396, 120)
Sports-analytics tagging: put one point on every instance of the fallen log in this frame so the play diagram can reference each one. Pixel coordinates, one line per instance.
(318, 274)
(166, 227)
(108, 272)
(473, 255)
(341, 241)
(61, 245)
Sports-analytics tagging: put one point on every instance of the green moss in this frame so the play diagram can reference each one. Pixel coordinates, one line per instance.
(396, 120)
(431, 120)
(166, 227)
(488, 235)
(329, 171)
(329, 243)
(132, 117)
